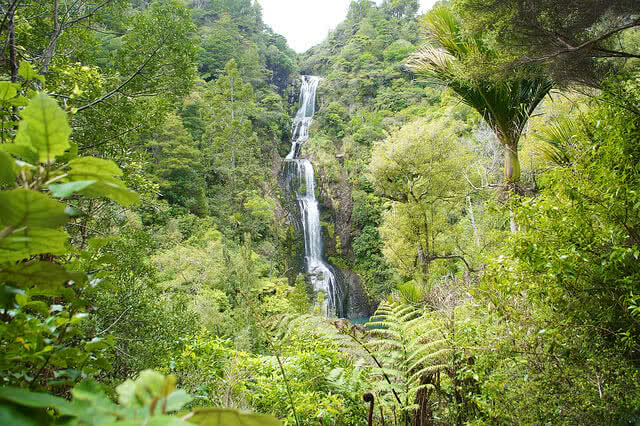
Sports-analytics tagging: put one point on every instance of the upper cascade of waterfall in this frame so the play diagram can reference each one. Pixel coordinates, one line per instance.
(304, 116)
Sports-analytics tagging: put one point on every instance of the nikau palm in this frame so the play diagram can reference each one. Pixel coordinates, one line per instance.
(505, 105)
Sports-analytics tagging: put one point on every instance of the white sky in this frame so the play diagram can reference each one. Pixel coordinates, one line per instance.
(307, 22)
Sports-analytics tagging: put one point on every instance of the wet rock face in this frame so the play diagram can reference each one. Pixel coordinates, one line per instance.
(293, 92)
(294, 237)
(356, 301)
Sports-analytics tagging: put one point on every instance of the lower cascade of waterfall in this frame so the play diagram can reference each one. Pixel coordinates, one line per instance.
(299, 177)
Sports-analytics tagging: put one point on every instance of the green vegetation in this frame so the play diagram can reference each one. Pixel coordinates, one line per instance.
(151, 264)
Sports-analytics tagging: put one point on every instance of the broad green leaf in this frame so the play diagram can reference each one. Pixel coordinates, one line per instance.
(8, 90)
(27, 72)
(44, 127)
(33, 399)
(73, 212)
(37, 306)
(22, 207)
(24, 219)
(115, 192)
(24, 152)
(126, 393)
(8, 296)
(148, 385)
(91, 405)
(44, 274)
(90, 168)
(70, 154)
(63, 190)
(177, 400)
(105, 173)
(168, 386)
(154, 421)
(90, 390)
(19, 101)
(166, 421)
(32, 241)
(7, 169)
(227, 417)
(17, 415)
(96, 243)
(99, 343)
(65, 292)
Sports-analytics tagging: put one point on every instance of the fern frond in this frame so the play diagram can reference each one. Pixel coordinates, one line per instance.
(417, 347)
(388, 343)
(415, 378)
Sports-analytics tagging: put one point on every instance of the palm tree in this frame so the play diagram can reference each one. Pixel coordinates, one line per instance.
(505, 104)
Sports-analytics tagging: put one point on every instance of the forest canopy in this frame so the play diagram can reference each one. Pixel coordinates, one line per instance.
(441, 226)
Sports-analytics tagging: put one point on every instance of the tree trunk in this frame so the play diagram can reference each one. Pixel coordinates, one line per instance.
(13, 58)
(511, 164)
(512, 177)
(512, 221)
(476, 237)
(51, 49)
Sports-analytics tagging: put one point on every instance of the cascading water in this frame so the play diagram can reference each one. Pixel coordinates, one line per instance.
(300, 172)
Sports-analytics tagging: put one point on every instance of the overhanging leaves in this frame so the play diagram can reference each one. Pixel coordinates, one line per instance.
(7, 169)
(32, 241)
(8, 90)
(44, 127)
(22, 207)
(42, 274)
(63, 190)
(105, 174)
(221, 416)
(24, 152)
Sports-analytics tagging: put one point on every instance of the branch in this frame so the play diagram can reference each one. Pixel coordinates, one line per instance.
(51, 49)
(116, 321)
(84, 148)
(127, 81)
(88, 15)
(615, 53)
(69, 8)
(10, 10)
(103, 31)
(453, 256)
(589, 43)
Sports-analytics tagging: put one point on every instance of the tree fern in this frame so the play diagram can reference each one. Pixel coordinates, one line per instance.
(406, 350)
(410, 350)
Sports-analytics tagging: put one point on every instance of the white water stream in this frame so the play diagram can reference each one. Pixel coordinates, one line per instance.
(322, 274)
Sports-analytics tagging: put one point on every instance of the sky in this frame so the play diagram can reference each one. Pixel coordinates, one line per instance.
(307, 22)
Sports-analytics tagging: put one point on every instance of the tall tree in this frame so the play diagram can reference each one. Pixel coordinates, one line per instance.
(401, 8)
(420, 168)
(505, 105)
(232, 144)
(178, 166)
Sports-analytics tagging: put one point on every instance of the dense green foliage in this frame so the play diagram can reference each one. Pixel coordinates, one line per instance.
(571, 44)
(144, 233)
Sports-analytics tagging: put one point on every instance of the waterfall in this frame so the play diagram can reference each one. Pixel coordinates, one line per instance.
(300, 172)
(304, 116)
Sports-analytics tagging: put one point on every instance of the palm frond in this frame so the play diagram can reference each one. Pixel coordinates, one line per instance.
(444, 28)
(558, 138)
(505, 105)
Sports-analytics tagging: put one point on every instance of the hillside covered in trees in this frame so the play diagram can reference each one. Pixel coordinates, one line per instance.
(475, 176)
